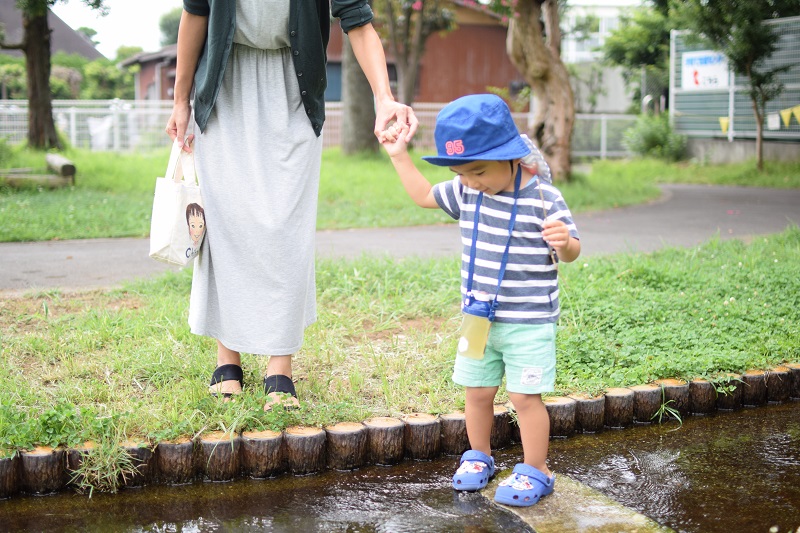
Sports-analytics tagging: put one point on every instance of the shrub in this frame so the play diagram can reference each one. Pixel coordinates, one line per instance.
(653, 136)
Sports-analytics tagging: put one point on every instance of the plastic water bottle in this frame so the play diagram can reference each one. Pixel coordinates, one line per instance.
(536, 158)
(475, 325)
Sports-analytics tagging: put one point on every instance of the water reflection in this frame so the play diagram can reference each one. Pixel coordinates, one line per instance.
(414, 496)
(728, 472)
(735, 471)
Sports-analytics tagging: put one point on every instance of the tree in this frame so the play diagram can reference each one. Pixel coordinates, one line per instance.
(642, 42)
(124, 52)
(737, 30)
(36, 47)
(358, 114)
(405, 26)
(169, 23)
(103, 80)
(534, 46)
(89, 34)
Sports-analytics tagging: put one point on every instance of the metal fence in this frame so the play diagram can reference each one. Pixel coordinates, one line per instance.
(706, 111)
(128, 126)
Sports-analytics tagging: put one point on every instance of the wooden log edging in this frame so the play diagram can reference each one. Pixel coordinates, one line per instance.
(388, 440)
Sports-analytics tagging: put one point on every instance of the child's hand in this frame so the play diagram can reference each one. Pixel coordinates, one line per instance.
(393, 139)
(556, 234)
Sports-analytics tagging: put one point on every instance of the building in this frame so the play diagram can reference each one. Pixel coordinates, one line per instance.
(156, 77)
(467, 60)
(597, 89)
(464, 61)
(64, 39)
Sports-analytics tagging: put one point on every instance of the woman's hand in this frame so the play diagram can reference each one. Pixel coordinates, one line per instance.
(388, 110)
(178, 123)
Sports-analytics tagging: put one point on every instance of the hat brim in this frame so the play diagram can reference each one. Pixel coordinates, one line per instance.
(513, 149)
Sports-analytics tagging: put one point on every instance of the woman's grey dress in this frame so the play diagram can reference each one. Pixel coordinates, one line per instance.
(258, 164)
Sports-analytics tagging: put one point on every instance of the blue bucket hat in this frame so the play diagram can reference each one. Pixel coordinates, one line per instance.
(478, 127)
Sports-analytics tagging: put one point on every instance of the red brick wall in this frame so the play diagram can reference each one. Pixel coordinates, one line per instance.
(464, 61)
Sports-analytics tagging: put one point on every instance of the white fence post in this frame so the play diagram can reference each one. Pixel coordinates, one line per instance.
(73, 126)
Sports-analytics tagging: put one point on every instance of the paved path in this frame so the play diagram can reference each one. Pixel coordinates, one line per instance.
(685, 215)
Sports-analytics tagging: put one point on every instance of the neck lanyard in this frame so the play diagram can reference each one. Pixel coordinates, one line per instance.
(473, 249)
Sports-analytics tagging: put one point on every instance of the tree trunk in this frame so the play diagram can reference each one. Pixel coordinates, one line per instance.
(538, 57)
(759, 135)
(358, 113)
(41, 128)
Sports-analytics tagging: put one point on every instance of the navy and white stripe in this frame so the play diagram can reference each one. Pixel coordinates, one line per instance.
(529, 291)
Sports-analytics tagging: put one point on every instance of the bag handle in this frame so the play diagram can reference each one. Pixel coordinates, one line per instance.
(183, 170)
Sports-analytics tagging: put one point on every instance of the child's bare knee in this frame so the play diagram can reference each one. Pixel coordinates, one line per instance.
(481, 395)
(522, 402)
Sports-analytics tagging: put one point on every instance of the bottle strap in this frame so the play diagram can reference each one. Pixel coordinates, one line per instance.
(474, 247)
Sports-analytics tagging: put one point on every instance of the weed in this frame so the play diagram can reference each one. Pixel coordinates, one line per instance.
(105, 468)
(665, 410)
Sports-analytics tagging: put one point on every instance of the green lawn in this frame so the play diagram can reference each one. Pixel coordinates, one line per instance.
(110, 366)
(113, 192)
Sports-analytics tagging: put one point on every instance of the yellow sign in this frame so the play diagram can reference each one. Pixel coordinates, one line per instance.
(723, 123)
(786, 115)
(796, 112)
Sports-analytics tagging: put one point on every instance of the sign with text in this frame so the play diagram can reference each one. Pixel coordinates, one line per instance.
(704, 70)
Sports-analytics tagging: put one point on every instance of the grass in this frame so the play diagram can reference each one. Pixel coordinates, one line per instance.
(86, 366)
(113, 192)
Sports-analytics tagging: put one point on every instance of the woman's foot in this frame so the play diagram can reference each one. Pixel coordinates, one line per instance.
(226, 381)
(280, 391)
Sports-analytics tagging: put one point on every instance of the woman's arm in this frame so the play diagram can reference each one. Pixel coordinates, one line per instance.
(368, 50)
(191, 38)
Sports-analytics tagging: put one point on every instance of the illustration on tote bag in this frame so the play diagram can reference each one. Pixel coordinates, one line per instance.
(177, 204)
(196, 220)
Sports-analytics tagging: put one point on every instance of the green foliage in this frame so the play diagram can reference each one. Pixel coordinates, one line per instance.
(60, 89)
(73, 61)
(642, 38)
(12, 81)
(665, 410)
(104, 468)
(104, 81)
(518, 102)
(88, 33)
(124, 52)
(5, 153)
(652, 136)
(169, 24)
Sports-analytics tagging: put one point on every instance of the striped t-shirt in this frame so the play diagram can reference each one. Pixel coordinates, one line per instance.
(529, 292)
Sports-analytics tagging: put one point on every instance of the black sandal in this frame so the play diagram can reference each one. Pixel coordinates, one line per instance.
(227, 373)
(281, 384)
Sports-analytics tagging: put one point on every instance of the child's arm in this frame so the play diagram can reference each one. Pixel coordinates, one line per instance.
(418, 188)
(556, 234)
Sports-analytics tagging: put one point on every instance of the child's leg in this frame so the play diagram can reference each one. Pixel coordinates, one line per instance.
(477, 465)
(534, 429)
(479, 414)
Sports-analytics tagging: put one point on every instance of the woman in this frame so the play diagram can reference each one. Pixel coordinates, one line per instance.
(258, 72)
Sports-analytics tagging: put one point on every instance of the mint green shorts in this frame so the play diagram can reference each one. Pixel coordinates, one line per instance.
(525, 353)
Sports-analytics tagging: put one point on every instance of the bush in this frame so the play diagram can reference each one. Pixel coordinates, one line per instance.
(652, 136)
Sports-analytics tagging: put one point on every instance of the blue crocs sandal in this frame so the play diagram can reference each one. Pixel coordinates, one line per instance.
(474, 471)
(524, 487)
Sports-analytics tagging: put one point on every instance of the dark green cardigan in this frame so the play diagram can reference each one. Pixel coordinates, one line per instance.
(309, 30)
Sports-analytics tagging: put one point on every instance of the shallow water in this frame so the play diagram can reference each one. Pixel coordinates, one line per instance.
(414, 496)
(728, 472)
(735, 471)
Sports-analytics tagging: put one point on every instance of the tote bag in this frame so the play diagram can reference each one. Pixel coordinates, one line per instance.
(178, 224)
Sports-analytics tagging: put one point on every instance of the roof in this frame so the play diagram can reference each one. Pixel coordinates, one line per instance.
(168, 52)
(64, 39)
